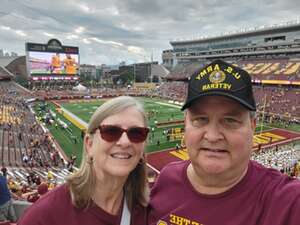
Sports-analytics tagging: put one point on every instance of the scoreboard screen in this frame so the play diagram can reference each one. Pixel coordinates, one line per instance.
(52, 59)
(43, 63)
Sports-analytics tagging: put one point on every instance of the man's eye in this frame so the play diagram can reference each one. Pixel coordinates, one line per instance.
(230, 120)
(199, 121)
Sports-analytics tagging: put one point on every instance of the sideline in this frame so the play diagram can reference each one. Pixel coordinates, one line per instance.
(74, 119)
(168, 104)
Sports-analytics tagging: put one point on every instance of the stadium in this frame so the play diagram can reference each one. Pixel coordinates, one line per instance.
(45, 111)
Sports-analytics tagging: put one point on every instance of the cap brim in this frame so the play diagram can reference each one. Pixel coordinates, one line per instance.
(217, 93)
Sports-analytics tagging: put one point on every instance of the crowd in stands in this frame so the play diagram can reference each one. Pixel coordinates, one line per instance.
(23, 141)
(181, 71)
(28, 156)
(276, 69)
(173, 90)
(30, 189)
(93, 93)
(266, 69)
(278, 103)
(22, 193)
(261, 69)
(285, 158)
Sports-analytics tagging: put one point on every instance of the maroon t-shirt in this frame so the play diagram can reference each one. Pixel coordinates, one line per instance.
(55, 208)
(263, 197)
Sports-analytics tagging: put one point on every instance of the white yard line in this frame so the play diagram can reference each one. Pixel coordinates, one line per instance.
(156, 170)
(168, 104)
(75, 117)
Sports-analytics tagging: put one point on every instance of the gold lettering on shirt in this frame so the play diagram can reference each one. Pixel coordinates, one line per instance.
(160, 222)
(179, 220)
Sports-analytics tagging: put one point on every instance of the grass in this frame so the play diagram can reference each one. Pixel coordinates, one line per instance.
(156, 113)
(157, 110)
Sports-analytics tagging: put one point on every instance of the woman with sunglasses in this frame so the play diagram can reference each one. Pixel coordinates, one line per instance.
(110, 187)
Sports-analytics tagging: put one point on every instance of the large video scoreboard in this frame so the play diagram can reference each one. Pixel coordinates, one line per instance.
(52, 61)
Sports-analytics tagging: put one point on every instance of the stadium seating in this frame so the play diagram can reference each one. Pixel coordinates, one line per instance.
(282, 158)
(26, 149)
(275, 69)
(181, 72)
(261, 69)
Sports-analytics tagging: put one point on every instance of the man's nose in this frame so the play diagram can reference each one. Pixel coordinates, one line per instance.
(213, 132)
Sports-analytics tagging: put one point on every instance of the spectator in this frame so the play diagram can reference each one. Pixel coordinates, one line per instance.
(110, 186)
(36, 194)
(220, 184)
(6, 208)
(4, 171)
(50, 175)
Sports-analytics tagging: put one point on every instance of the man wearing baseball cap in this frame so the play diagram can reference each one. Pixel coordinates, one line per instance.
(220, 184)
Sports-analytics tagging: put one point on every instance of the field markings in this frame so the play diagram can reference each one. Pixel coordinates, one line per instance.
(153, 168)
(167, 104)
(76, 118)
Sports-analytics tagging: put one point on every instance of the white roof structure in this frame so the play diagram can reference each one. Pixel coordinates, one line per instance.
(80, 88)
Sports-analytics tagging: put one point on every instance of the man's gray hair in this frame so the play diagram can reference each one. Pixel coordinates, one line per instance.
(252, 114)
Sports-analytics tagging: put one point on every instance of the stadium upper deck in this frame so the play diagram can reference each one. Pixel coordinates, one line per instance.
(273, 41)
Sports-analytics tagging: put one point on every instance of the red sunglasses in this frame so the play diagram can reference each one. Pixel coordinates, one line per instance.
(113, 133)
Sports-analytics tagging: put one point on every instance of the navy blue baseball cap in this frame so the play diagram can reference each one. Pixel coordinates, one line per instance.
(222, 79)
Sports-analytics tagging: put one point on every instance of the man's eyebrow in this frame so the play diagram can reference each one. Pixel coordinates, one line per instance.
(199, 111)
(234, 112)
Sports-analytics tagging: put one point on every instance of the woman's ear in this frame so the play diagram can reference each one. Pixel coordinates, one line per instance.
(88, 143)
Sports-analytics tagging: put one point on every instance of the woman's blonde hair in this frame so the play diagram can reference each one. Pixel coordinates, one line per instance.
(82, 182)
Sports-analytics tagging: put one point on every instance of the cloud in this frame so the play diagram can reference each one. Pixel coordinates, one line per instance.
(21, 33)
(5, 28)
(79, 30)
(48, 34)
(130, 30)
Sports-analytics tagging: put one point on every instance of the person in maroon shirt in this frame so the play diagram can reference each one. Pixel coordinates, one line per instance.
(220, 184)
(110, 186)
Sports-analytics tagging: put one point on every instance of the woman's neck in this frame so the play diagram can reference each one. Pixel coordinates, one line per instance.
(109, 196)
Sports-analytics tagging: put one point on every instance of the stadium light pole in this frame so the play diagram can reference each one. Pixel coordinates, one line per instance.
(263, 114)
(134, 75)
(151, 75)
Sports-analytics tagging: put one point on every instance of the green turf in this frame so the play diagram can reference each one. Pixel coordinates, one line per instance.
(84, 110)
(65, 137)
(158, 111)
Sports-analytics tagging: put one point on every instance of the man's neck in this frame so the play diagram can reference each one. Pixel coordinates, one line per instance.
(213, 184)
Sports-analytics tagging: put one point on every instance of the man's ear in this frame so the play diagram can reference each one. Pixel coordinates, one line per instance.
(253, 124)
(185, 115)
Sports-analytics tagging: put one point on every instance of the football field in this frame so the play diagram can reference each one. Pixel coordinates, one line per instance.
(165, 122)
(160, 114)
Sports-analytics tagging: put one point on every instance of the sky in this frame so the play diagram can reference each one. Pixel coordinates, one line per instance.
(112, 31)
